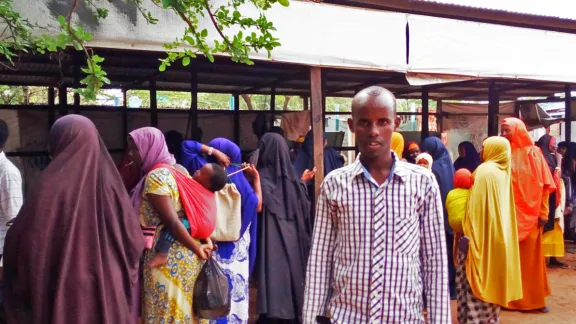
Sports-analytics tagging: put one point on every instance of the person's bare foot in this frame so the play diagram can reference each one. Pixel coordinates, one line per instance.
(158, 260)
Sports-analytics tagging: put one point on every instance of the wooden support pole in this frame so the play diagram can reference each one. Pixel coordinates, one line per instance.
(568, 113)
(272, 106)
(493, 109)
(237, 118)
(440, 117)
(153, 104)
(306, 103)
(52, 103)
(124, 117)
(62, 101)
(425, 132)
(317, 125)
(517, 109)
(77, 75)
(193, 119)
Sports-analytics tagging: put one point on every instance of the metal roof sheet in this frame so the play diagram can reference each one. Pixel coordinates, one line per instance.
(561, 9)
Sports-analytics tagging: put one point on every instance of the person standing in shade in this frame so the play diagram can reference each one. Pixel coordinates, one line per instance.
(468, 157)
(10, 187)
(378, 248)
(533, 184)
(443, 171)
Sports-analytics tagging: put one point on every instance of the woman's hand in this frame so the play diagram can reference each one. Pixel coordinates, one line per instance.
(308, 175)
(251, 173)
(204, 251)
(221, 158)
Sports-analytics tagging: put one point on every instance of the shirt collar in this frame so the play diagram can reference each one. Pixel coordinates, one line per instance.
(397, 169)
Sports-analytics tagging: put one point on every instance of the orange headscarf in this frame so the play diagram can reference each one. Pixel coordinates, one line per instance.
(530, 176)
(463, 179)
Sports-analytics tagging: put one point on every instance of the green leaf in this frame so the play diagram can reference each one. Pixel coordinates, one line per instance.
(167, 3)
(162, 67)
(204, 33)
(285, 3)
(186, 61)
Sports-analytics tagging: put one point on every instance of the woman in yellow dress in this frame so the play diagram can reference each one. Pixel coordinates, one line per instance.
(489, 225)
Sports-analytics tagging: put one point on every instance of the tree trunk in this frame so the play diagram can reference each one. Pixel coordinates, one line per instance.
(286, 102)
(248, 101)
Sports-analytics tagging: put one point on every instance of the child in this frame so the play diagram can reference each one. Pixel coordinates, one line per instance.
(212, 177)
(456, 203)
(424, 160)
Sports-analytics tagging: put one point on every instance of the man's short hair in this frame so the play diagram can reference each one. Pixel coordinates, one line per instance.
(4, 133)
(219, 177)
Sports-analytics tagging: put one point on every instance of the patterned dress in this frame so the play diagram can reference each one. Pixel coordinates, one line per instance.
(167, 291)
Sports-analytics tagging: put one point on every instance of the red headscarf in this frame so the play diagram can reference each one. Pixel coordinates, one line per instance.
(530, 176)
(463, 179)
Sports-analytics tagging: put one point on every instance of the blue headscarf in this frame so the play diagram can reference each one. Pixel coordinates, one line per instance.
(470, 161)
(191, 157)
(194, 161)
(442, 168)
(305, 158)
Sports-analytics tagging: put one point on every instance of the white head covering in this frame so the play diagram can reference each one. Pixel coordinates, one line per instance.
(426, 157)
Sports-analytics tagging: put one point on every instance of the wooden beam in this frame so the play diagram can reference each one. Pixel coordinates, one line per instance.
(493, 109)
(425, 132)
(193, 117)
(439, 116)
(358, 86)
(568, 113)
(237, 118)
(52, 103)
(124, 118)
(317, 126)
(153, 104)
(272, 84)
(517, 105)
(272, 106)
(62, 101)
(306, 102)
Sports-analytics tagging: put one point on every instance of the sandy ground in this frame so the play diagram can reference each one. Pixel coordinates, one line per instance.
(562, 302)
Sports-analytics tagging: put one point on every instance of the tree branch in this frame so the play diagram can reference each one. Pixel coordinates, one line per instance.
(228, 44)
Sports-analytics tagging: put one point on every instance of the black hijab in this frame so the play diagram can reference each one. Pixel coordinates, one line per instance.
(470, 161)
(283, 233)
(544, 145)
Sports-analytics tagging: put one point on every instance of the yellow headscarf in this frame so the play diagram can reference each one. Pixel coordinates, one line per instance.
(397, 144)
(493, 262)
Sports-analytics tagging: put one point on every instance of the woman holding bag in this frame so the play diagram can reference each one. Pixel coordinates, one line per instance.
(235, 258)
(167, 295)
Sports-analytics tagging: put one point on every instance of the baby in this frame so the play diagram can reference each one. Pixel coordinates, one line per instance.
(212, 177)
(457, 199)
(424, 160)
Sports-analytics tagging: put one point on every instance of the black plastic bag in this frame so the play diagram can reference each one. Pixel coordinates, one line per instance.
(211, 299)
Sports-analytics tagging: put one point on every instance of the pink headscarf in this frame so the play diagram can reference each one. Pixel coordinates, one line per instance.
(153, 150)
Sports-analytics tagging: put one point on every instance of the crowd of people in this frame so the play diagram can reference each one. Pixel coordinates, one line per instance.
(394, 236)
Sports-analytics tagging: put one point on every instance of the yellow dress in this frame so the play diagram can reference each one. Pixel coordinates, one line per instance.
(553, 241)
(490, 224)
(167, 291)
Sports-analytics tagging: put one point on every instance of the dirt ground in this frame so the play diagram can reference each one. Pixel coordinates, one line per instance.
(562, 301)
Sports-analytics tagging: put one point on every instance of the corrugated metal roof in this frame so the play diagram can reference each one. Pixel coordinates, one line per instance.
(562, 9)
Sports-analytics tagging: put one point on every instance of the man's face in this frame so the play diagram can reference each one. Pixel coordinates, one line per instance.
(373, 126)
(506, 131)
(562, 150)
